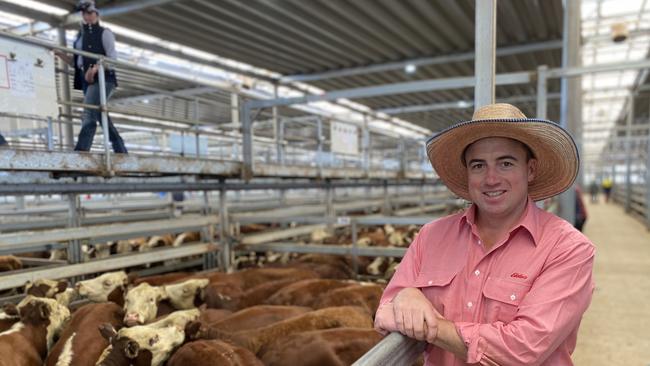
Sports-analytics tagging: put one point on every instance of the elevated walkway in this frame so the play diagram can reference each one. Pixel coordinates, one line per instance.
(616, 328)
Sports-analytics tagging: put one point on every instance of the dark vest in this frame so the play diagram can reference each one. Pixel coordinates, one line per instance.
(91, 41)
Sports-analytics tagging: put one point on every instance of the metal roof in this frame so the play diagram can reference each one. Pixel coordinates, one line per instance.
(298, 38)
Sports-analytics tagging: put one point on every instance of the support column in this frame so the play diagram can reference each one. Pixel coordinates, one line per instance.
(571, 100)
(224, 238)
(628, 153)
(234, 109)
(329, 204)
(74, 246)
(319, 139)
(65, 93)
(387, 209)
(207, 234)
(247, 143)
(485, 50)
(541, 91)
(103, 102)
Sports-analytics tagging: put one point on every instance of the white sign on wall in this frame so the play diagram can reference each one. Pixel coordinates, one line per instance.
(345, 138)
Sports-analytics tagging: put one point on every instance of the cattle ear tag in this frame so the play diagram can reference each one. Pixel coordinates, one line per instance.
(154, 340)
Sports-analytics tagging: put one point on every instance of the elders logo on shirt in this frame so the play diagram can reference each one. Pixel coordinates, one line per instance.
(519, 275)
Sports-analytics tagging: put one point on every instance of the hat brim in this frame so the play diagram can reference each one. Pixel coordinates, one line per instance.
(553, 147)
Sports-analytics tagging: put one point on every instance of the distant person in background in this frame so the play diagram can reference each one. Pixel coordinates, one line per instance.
(593, 191)
(607, 188)
(94, 38)
(2, 140)
(581, 210)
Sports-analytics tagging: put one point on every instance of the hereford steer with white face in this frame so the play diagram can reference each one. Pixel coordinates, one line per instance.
(140, 345)
(187, 294)
(141, 303)
(107, 287)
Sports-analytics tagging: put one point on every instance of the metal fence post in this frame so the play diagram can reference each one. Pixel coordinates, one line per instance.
(628, 153)
(223, 231)
(50, 134)
(102, 99)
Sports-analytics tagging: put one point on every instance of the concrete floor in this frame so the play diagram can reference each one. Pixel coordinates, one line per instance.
(615, 329)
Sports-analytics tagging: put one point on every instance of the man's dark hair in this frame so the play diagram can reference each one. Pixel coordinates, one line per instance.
(529, 152)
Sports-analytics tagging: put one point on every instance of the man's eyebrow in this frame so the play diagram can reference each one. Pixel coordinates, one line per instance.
(476, 161)
(507, 157)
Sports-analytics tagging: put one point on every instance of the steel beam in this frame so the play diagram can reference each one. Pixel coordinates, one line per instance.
(426, 61)
(462, 104)
(117, 10)
(485, 46)
(570, 104)
(392, 89)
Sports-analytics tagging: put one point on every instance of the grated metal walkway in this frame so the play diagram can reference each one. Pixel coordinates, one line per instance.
(616, 328)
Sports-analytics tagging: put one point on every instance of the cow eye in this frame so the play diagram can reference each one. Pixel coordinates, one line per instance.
(151, 299)
(107, 283)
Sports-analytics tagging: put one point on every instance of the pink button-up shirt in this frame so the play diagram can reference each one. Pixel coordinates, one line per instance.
(519, 303)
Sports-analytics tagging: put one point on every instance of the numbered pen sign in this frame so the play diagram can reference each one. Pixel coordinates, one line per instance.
(345, 138)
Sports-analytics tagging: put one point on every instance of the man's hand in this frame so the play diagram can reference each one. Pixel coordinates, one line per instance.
(415, 316)
(90, 74)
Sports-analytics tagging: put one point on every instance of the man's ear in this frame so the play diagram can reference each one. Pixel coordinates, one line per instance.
(532, 169)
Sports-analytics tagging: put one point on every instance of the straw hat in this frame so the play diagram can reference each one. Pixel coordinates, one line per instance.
(552, 146)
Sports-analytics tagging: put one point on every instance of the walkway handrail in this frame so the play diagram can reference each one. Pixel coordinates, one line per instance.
(394, 350)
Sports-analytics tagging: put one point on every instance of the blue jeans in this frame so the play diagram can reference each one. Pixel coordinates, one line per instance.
(91, 117)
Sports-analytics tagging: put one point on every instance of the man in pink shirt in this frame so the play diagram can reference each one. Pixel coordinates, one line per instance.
(504, 282)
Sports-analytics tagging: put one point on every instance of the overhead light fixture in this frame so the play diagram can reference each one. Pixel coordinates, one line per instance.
(410, 68)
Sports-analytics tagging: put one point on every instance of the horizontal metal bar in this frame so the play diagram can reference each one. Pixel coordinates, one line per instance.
(392, 89)
(23, 239)
(63, 222)
(34, 262)
(425, 61)
(19, 278)
(394, 350)
(461, 104)
(327, 249)
(591, 69)
(391, 220)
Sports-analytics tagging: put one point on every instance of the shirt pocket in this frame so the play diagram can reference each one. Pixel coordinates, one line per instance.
(502, 298)
(435, 285)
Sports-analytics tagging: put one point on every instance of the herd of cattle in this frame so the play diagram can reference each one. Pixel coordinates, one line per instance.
(302, 310)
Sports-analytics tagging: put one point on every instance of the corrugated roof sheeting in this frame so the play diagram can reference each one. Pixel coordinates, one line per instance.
(302, 37)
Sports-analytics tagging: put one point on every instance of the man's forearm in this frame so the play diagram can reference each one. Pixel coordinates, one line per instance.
(449, 339)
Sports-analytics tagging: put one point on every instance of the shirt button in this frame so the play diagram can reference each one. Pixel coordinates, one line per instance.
(430, 282)
(479, 242)
(469, 304)
(477, 272)
(513, 297)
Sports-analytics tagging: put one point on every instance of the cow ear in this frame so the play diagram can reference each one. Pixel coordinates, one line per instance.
(131, 278)
(62, 285)
(192, 329)
(131, 349)
(43, 310)
(107, 331)
(10, 309)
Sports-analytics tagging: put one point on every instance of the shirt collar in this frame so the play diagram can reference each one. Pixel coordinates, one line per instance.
(529, 221)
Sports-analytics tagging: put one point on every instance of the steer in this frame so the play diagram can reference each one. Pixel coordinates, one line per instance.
(10, 263)
(214, 352)
(139, 345)
(107, 287)
(323, 347)
(255, 339)
(80, 343)
(142, 302)
(27, 342)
